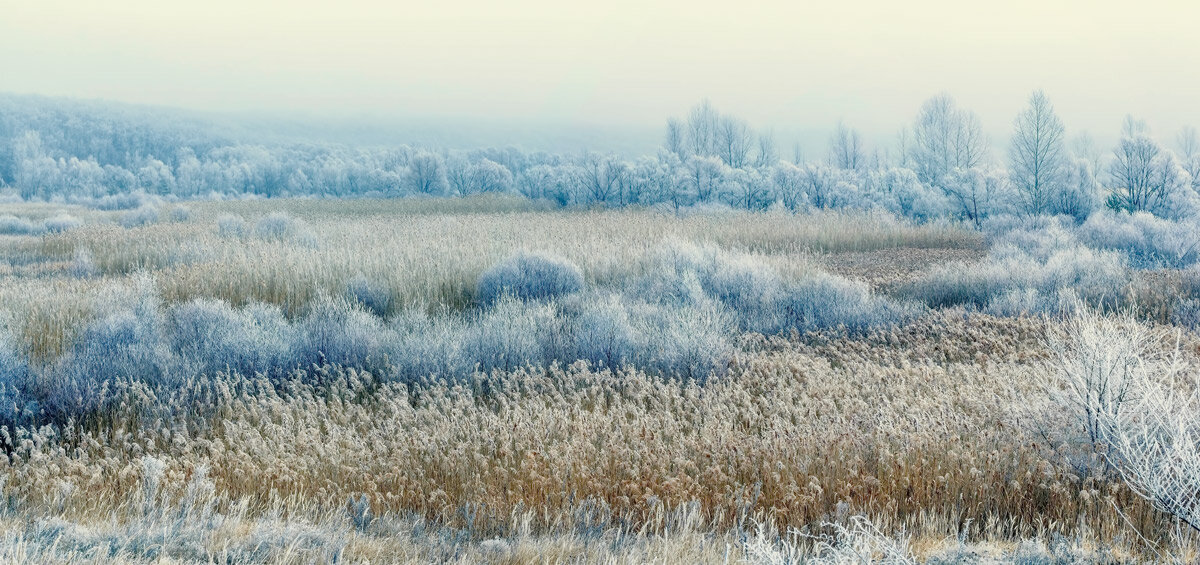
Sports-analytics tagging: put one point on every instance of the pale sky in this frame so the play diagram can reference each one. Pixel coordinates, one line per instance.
(786, 64)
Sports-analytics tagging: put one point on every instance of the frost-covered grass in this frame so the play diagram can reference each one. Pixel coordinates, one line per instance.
(500, 384)
(927, 429)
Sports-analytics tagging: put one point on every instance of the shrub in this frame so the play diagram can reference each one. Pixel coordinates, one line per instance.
(375, 298)
(1010, 280)
(13, 225)
(335, 332)
(510, 335)
(83, 266)
(229, 225)
(209, 337)
(529, 276)
(180, 214)
(278, 226)
(822, 301)
(125, 344)
(61, 223)
(144, 215)
(17, 405)
(274, 226)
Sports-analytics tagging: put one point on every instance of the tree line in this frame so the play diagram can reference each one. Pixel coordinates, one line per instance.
(941, 166)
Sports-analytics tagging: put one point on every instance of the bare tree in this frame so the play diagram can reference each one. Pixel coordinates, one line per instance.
(603, 177)
(1084, 146)
(767, 154)
(676, 137)
(946, 138)
(1037, 155)
(1146, 177)
(427, 174)
(702, 125)
(846, 148)
(1189, 153)
(1138, 402)
(733, 141)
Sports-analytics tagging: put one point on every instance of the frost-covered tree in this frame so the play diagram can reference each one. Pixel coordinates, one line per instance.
(489, 176)
(946, 138)
(427, 174)
(767, 154)
(978, 192)
(846, 148)
(702, 125)
(604, 178)
(1189, 153)
(734, 141)
(1147, 177)
(1037, 156)
(1080, 195)
(821, 183)
(788, 180)
(676, 138)
(705, 177)
(899, 191)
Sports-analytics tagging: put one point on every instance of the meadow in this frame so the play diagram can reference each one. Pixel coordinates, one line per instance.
(489, 380)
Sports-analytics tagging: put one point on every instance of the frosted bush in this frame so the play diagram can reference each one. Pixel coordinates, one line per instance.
(1147, 240)
(823, 301)
(274, 226)
(181, 214)
(1010, 280)
(60, 223)
(229, 225)
(143, 216)
(336, 332)
(17, 405)
(13, 225)
(529, 276)
(373, 297)
(82, 265)
(124, 344)
(604, 332)
(210, 337)
(510, 335)
(278, 226)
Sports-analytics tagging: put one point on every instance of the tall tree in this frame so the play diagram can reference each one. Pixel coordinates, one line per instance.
(1037, 155)
(1147, 177)
(846, 149)
(946, 138)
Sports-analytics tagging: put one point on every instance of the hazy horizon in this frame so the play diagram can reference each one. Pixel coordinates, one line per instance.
(619, 65)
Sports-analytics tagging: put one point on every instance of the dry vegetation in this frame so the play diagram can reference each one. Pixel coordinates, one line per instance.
(940, 431)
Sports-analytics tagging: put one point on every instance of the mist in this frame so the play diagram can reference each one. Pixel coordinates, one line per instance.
(794, 67)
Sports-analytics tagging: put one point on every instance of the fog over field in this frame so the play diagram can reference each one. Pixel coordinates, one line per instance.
(542, 282)
(797, 67)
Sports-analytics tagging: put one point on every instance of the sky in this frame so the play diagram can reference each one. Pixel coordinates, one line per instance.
(788, 65)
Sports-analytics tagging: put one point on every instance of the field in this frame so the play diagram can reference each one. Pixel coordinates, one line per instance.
(488, 380)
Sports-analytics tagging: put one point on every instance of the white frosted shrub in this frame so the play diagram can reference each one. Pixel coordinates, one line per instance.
(822, 301)
(510, 335)
(181, 214)
(60, 223)
(335, 332)
(14, 225)
(1147, 240)
(604, 332)
(1010, 280)
(142, 216)
(373, 297)
(229, 225)
(529, 276)
(211, 337)
(17, 404)
(124, 344)
(279, 226)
